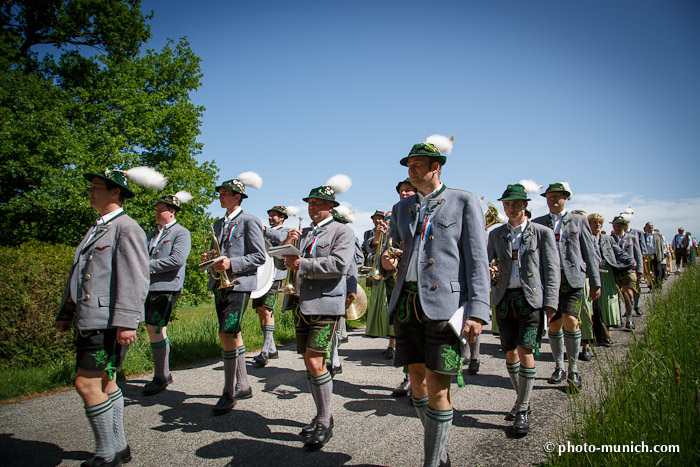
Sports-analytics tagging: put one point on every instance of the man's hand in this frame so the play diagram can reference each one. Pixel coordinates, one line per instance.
(62, 326)
(291, 262)
(223, 265)
(391, 263)
(594, 294)
(494, 271)
(472, 328)
(126, 336)
(382, 228)
(292, 236)
(350, 298)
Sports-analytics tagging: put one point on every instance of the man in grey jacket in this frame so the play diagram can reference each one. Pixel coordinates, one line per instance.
(240, 237)
(628, 279)
(168, 248)
(578, 258)
(528, 280)
(103, 299)
(328, 251)
(442, 272)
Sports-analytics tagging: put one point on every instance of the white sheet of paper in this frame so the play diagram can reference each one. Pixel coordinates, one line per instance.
(283, 250)
(457, 323)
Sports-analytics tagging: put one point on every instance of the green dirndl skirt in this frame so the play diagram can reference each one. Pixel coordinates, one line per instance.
(377, 321)
(609, 303)
(585, 314)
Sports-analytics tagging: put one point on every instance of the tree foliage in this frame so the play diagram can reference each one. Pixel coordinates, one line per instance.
(78, 95)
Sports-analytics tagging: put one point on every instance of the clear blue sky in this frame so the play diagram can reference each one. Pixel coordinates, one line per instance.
(602, 94)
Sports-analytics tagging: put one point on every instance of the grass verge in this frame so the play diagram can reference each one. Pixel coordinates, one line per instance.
(651, 397)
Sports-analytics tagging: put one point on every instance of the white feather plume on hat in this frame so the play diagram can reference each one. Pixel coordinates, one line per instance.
(251, 179)
(147, 177)
(345, 212)
(183, 196)
(340, 183)
(628, 214)
(292, 211)
(530, 186)
(442, 143)
(567, 187)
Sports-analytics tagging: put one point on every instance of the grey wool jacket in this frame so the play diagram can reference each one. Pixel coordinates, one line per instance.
(110, 276)
(168, 258)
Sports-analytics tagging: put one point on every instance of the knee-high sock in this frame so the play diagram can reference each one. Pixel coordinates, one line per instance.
(342, 328)
(101, 418)
(556, 341)
(229, 371)
(513, 369)
(525, 384)
(335, 359)
(314, 393)
(269, 339)
(437, 427)
(421, 405)
(636, 299)
(323, 387)
(475, 348)
(161, 358)
(572, 340)
(117, 399)
(242, 383)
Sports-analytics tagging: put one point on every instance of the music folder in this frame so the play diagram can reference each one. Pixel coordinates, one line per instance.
(283, 250)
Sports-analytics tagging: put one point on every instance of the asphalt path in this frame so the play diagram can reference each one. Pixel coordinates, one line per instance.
(177, 428)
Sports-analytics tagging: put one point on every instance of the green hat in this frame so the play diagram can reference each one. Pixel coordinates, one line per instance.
(339, 217)
(619, 220)
(169, 200)
(323, 192)
(281, 209)
(235, 185)
(561, 187)
(378, 213)
(425, 149)
(514, 192)
(398, 185)
(116, 177)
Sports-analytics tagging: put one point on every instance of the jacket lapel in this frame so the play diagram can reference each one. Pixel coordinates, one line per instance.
(101, 230)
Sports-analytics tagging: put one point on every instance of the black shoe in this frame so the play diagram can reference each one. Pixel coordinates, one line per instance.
(638, 311)
(447, 463)
(334, 370)
(389, 353)
(630, 325)
(575, 382)
(157, 385)
(273, 355)
(261, 359)
(245, 394)
(557, 377)
(125, 455)
(309, 429)
(225, 404)
(101, 462)
(344, 340)
(605, 342)
(586, 355)
(521, 426)
(510, 416)
(319, 437)
(473, 367)
(402, 389)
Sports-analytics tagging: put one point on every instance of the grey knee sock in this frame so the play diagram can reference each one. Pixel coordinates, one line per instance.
(101, 418)
(229, 371)
(269, 339)
(323, 386)
(437, 427)
(242, 383)
(556, 341)
(572, 340)
(335, 359)
(420, 405)
(513, 369)
(342, 327)
(525, 384)
(636, 299)
(161, 357)
(475, 348)
(117, 399)
(628, 308)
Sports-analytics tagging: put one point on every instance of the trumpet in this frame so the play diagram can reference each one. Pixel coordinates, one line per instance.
(374, 273)
(288, 287)
(494, 216)
(214, 255)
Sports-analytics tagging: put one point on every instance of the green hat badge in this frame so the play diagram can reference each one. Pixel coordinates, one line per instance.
(343, 214)
(514, 192)
(175, 201)
(562, 187)
(238, 184)
(435, 146)
(336, 184)
(144, 176)
(281, 209)
(378, 213)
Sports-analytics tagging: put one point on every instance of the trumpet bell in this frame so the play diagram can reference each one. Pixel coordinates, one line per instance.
(493, 216)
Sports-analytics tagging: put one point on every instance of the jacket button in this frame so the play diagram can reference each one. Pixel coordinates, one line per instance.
(86, 297)
(431, 237)
(431, 260)
(530, 274)
(311, 287)
(434, 287)
(535, 289)
(89, 257)
(87, 277)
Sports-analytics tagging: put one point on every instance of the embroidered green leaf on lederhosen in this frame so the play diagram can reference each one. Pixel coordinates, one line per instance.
(231, 322)
(323, 336)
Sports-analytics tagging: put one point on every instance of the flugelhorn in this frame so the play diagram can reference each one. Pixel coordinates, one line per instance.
(493, 216)
(213, 258)
(288, 287)
(375, 273)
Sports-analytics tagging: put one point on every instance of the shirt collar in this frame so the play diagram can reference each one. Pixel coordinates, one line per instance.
(168, 225)
(324, 222)
(233, 215)
(517, 228)
(109, 216)
(431, 195)
(558, 216)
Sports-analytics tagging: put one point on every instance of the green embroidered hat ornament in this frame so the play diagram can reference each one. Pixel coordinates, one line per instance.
(144, 176)
(435, 146)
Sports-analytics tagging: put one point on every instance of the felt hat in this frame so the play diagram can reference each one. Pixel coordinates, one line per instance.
(238, 184)
(145, 176)
(434, 146)
(514, 192)
(175, 201)
(562, 187)
(398, 185)
(336, 184)
(281, 209)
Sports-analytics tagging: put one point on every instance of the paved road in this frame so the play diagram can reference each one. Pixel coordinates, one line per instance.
(176, 428)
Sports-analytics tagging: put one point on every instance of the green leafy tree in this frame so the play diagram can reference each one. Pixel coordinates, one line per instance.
(78, 95)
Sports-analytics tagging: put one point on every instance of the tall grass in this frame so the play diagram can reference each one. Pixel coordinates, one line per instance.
(653, 395)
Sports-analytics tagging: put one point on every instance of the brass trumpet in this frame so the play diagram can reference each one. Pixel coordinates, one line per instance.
(288, 287)
(494, 216)
(375, 273)
(214, 256)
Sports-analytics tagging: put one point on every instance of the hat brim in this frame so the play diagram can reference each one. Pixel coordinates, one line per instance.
(275, 210)
(441, 159)
(568, 194)
(124, 190)
(243, 195)
(159, 201)
(513, 198)
(335, 203)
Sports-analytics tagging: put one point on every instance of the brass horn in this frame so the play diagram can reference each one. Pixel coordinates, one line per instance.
(288, 287)
(375, 273)
(213, 258)
(493, 216)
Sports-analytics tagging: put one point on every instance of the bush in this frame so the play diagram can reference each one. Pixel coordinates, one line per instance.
(30, 294)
